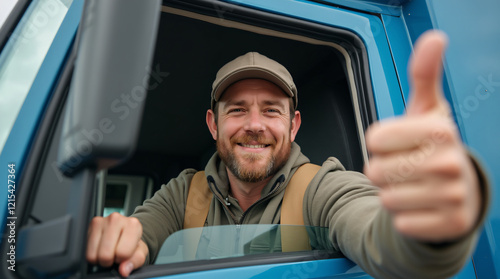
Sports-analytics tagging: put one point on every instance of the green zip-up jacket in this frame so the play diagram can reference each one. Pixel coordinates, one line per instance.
(344, 201)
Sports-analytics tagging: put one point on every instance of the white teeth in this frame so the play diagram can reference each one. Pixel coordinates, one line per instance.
(254, 146)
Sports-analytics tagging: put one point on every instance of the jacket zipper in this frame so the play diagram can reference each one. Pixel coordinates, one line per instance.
(275, 188)
(221, 200)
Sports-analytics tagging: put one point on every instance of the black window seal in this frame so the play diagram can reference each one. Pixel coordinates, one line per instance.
(12, 21)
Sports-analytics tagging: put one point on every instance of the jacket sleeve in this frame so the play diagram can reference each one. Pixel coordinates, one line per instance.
(362, 229)
(163, 214)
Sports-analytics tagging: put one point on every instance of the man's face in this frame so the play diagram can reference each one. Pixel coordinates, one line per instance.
(254, 130)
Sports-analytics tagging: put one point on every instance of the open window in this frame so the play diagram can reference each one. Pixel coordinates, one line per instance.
(329, 66)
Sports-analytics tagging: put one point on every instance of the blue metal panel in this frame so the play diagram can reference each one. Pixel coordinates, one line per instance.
(332, 268)
(369, 28)
(473, 67)
(401, 48)
(417, 18)
(20, 138)
(467, 272)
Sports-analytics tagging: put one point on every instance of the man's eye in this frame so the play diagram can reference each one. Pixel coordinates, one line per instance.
(273, 111)
(235, 110)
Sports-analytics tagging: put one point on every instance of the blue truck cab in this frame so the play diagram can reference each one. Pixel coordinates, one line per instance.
(102, 102)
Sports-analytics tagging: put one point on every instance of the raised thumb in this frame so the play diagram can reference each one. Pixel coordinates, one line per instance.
(426, 73)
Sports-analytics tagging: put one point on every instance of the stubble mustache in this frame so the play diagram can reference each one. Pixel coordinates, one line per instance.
(253, 137)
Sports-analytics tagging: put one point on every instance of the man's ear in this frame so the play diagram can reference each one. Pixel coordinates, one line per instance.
(212, 126)
(296, 121)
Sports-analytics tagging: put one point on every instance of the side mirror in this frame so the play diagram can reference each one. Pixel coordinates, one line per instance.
(110, 83)
(115, 50)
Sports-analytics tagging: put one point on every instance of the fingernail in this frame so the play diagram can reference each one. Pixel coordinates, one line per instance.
(129, 267)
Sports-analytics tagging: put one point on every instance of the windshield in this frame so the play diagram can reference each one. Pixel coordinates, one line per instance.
(23, 55)
(217, 242)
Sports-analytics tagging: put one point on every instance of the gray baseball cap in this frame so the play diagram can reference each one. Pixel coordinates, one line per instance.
(253, 65)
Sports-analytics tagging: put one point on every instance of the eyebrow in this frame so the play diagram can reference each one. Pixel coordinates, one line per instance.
(243, 102)
(274, 103)
(237, 103)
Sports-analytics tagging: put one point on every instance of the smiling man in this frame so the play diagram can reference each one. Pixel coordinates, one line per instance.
(254, 126)
(422, 226)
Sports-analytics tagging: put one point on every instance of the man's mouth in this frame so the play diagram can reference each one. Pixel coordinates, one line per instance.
(253, 145)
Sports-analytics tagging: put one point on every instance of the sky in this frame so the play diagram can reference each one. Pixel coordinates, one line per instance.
(5, 8)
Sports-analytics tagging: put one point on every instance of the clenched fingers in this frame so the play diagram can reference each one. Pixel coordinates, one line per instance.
(424, 164)
(414, 196)
(94, 238)
(433, 225)
(113, 239)
(111, 233)
(408, 133)
(125, 248)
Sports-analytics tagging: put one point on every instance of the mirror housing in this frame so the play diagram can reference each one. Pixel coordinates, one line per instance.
(110, 83)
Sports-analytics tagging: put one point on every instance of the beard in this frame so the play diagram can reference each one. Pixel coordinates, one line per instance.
(241, 168)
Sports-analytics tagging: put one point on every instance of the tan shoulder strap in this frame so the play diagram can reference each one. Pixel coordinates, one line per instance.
(292, 238)
(198, 201)
(296, 238)
(197, 206)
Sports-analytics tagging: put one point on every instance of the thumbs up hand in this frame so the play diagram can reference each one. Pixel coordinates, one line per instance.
(427, 180)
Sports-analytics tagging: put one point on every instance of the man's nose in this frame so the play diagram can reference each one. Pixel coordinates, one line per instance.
(254, 122)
